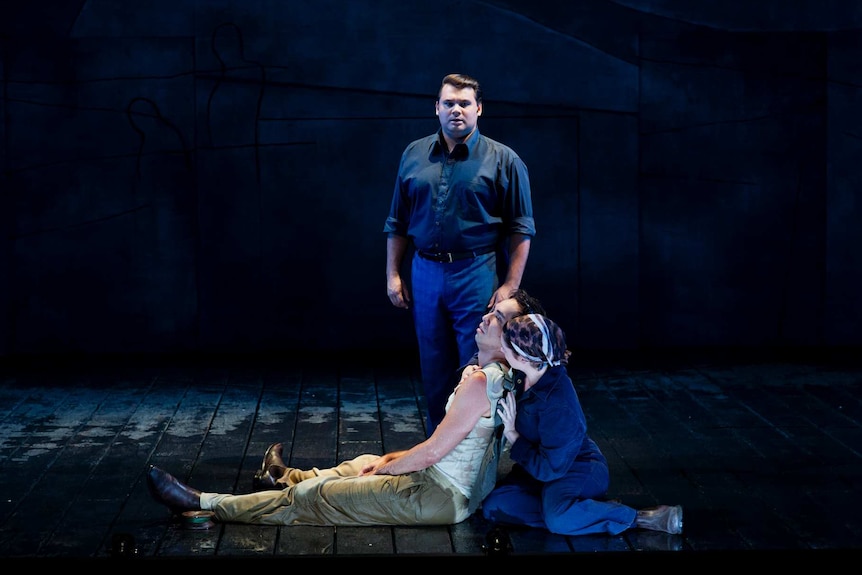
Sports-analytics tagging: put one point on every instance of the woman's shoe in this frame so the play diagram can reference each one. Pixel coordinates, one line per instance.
(667, 518)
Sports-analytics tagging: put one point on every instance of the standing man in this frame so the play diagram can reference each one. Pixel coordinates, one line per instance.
(462, 201)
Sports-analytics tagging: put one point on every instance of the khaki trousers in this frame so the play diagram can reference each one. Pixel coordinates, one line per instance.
(338, 496)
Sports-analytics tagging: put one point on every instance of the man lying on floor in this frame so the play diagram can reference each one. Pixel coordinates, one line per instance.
(428, 484)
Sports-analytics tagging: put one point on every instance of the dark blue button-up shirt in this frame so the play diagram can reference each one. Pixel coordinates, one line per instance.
(552, 428)
(462, 201)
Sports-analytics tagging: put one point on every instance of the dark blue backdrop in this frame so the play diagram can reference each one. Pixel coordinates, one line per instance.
(214, 176)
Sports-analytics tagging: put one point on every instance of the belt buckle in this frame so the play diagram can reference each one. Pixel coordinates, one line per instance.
(450, 258)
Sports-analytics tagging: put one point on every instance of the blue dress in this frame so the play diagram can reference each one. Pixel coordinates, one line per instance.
(559, 477)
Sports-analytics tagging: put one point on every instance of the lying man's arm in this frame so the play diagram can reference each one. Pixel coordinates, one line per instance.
(469, 404)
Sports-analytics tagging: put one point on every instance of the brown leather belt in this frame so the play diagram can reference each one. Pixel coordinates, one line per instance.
(449, 257)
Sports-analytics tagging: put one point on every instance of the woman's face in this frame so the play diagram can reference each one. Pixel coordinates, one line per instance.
(509, 353)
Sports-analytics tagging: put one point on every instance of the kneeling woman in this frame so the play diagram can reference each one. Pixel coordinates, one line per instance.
(559, 478)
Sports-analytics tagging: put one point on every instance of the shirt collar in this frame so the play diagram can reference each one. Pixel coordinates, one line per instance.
(440, 144)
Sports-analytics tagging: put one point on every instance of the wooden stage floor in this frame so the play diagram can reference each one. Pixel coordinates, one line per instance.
(764, 453)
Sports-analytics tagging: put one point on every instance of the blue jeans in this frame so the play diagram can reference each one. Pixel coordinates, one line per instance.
(449, 300)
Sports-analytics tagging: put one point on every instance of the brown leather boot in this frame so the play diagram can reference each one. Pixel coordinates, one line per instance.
(167, 490)
(271, 469)
(266, 480)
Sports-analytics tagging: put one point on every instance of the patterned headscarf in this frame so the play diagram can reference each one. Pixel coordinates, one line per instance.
(537, 339)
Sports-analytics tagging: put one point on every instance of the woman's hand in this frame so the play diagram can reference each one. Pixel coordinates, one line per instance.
(508, 409)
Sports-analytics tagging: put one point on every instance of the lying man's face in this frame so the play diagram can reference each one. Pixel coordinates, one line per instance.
(491, 328)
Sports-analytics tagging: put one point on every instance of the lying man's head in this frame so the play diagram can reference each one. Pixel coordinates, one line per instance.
(518, 303)
(526, 302)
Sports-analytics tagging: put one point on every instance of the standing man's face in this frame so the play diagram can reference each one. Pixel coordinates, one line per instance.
(458, 112)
